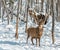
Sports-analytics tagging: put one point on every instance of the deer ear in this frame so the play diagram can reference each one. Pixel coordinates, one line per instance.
(46, 18)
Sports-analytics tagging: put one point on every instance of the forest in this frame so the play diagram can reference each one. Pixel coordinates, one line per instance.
(29, 24)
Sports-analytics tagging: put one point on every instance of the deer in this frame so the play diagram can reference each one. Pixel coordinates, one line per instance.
(36, 33)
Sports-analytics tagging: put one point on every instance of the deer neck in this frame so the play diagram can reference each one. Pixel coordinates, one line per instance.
(40, 29)
(41, 26)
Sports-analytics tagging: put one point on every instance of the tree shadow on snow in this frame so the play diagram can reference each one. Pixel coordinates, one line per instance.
(9, 42)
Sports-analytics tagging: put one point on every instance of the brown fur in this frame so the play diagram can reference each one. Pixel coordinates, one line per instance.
(38, 31)
(35, 32)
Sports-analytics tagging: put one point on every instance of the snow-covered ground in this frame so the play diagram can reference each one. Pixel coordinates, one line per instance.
(8, 41)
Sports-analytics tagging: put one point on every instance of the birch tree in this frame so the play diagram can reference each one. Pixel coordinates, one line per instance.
(16, 35)
(11, 2)
(42, 5)
(27, 7)
(52, 10)
(20, 6)
(56, 9)
(3, 9)
(0, 8)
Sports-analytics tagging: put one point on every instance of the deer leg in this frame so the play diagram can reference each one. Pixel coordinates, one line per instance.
(32, 40)
(27, 39)
(36, 41)
(39, 41)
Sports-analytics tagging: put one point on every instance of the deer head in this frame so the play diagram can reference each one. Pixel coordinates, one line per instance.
(38, 17)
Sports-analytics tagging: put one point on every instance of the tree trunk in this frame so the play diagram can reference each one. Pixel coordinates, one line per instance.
(52, 4)
(27, 14)
(42, 5)
(8, 19)
(47, 6)
(0, 8)
(36, 1)
(20, 6)
(16, 35)
(31, 3)
(11, 5)
(3, 9)
(57, 9)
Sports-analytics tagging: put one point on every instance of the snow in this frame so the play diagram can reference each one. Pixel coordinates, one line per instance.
(7, 35)
(8, 41)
